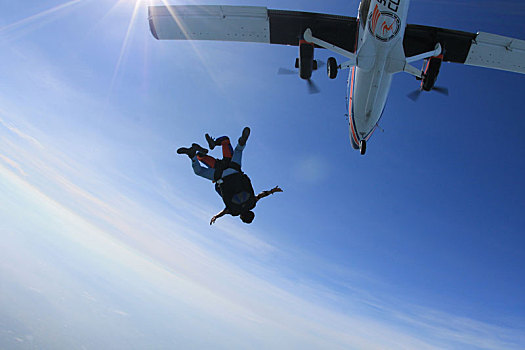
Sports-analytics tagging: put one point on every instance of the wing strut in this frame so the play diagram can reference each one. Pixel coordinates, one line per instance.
(410, 69)
(353, 57)
(436, 52)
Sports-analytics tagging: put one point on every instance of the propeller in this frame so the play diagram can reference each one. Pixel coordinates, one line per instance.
(286, 71)
(312, 87)
(414, 95)
(441, 89)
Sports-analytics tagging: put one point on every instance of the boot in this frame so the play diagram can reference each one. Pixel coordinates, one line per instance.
(211, 141)
(199, 149)
(244, 136)
(190, 152)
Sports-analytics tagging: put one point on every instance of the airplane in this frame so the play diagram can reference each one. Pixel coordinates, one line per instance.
(376, 45)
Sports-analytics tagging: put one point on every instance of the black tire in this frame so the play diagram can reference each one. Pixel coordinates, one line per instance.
(362, 147)
(297, 63)
(314, 65)
(331, 68)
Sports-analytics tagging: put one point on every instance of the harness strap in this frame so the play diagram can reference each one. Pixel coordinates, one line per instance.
(235, 166)
(223, 164)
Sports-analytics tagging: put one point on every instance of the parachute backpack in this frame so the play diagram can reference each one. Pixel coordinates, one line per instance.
(236, 189)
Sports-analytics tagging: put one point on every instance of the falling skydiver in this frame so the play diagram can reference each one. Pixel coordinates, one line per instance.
(231, 183)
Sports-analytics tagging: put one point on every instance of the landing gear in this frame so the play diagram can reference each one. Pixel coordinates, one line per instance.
(331, 68)
(362, 147)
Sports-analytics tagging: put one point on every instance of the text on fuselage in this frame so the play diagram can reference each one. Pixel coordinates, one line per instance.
(391, 4)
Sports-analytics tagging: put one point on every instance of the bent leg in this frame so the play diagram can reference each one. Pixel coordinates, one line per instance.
(207, 173)
(227, 150)
(237, 158)
(237, 154)
(207, 160)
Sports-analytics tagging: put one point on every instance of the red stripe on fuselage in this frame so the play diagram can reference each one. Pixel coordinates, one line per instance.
(370, 135)
(354, 133)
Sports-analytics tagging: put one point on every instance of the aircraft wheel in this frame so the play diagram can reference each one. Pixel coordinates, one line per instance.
(297, 63)
(331, 68)
(362, 147)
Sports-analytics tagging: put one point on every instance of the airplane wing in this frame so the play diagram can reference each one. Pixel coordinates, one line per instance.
(481, 49)
(248, 24)
(263, 25)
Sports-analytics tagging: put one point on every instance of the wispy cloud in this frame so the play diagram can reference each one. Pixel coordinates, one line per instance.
(19, 133)
(13, 164)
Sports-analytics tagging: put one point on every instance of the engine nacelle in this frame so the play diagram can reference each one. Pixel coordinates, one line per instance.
(306, 63)
(431, 72)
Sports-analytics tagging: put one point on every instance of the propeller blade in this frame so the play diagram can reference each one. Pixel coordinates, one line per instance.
(414, 95)
(312, 88)
(285, 71)
(441, 90)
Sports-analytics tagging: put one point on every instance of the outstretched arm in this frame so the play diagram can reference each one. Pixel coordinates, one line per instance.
(267, 193)
(222, 213)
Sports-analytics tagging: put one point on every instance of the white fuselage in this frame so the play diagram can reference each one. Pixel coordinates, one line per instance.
(380, 54)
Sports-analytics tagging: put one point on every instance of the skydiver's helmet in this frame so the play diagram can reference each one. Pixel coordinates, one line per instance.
(247, 216)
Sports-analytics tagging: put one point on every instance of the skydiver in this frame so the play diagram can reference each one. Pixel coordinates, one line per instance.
(234, 187)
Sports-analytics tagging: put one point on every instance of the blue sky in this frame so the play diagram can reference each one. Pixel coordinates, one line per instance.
(104, 229)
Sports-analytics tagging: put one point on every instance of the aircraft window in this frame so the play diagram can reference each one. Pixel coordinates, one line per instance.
(363, 11)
